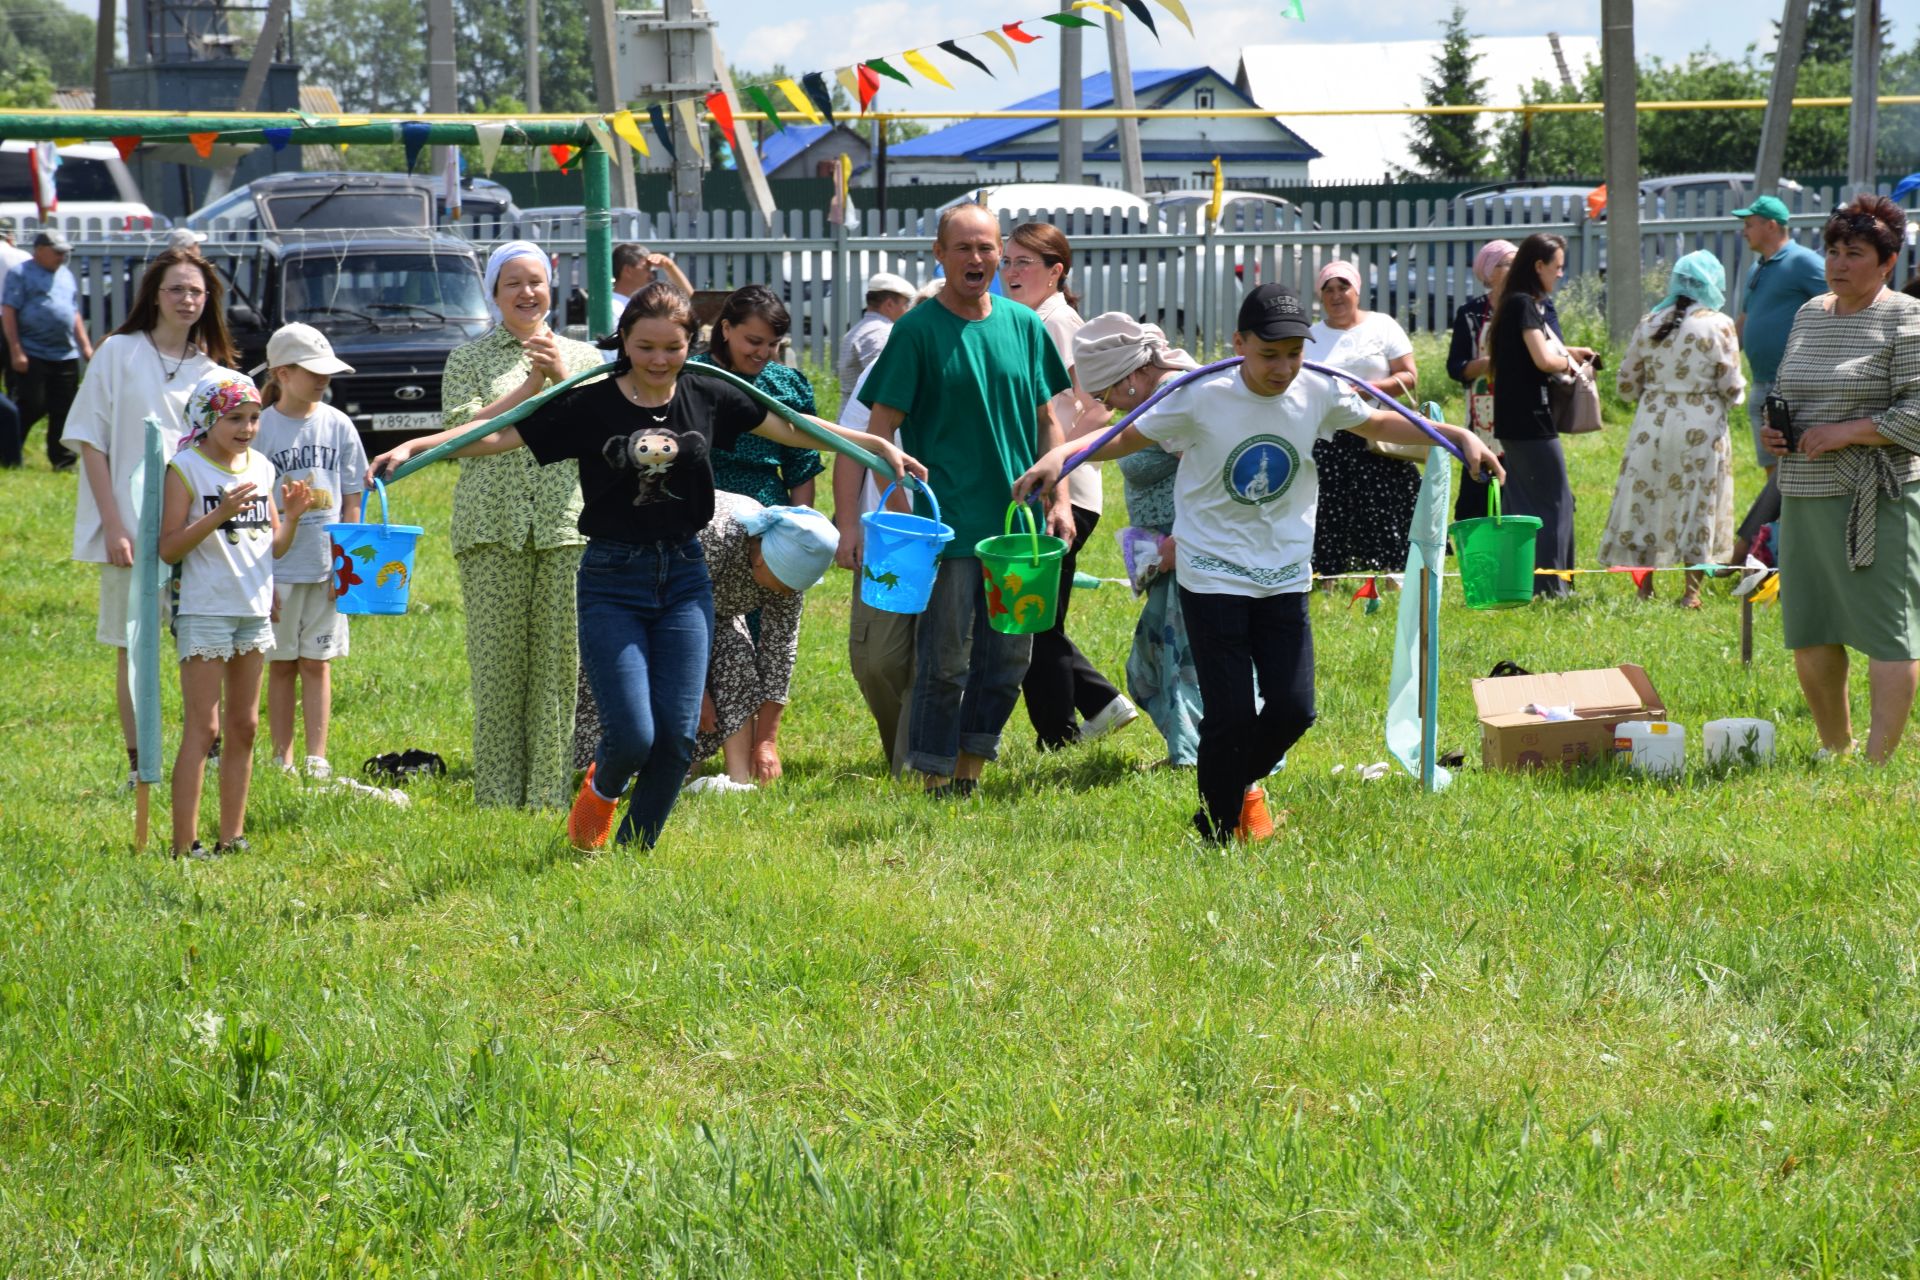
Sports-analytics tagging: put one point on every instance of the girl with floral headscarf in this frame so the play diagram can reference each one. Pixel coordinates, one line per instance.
(1673, 504)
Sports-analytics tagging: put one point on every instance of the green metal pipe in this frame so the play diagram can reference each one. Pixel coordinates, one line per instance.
(599, 223)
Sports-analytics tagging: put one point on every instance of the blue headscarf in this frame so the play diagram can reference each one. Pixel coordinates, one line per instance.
(796, 542)
(1699, 276)
(497, 263)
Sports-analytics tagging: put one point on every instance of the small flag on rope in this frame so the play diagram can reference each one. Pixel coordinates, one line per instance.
(690, 122)
(723, 116)
(1295, 9)
(953, 47)
(1065, 20)
(800, 101)
(1104, 8)
(1370, 592)
(767, 109)
(1015, 33)
(1179, 11)
(562, 154)
(869, 86)
(203, 143)
(126, 145)
(489, 136)
(1006, 47)
(1138, 8)
(660, 130)
(413, 137)
(816, 87)
(849, 81)
(887, 69)
(918, 61)
(276, 138)
(628, 130)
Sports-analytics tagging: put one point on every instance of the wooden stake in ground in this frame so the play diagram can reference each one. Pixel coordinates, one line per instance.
(143, 626)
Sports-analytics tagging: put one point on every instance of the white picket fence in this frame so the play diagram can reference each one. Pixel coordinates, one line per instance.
(1414, 255)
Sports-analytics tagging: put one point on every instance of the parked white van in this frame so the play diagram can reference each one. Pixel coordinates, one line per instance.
(97, 191)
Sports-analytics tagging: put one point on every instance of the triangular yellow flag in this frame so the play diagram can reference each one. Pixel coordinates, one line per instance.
(1104, 8)
(689, 113)
(629, 131)
(1179, 11)
(1006, 47)
(801, 102)
(918, 62)
(850, 81)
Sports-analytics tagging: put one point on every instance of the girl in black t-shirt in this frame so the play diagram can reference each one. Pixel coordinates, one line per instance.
(643, 438)
(1525, 349)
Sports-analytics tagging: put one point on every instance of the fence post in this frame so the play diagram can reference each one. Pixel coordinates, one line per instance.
(1207, 331)
(840, 298)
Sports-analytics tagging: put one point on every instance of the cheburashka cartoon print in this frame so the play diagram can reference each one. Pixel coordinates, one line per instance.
(652, 453)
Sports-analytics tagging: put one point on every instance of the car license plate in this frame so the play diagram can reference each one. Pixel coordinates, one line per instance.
(403, 422)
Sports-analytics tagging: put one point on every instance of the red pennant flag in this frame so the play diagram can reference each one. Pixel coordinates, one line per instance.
(723, 116)
(869, 85)
(1013, 30)
(125, 146)
(203, 143)
(1638, 574)
(1369, 590)
(562, 154)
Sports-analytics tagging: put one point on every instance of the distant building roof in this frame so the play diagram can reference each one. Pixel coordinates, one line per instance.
(982, 139)
(1297, 76)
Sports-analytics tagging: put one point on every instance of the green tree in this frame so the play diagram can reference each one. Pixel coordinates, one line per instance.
(1451, 146)
(1553, 145)
(43, 40)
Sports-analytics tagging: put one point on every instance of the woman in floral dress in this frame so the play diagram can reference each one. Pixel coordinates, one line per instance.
(1673, 504)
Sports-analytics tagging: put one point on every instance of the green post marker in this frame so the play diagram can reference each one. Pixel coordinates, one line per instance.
(599, 268)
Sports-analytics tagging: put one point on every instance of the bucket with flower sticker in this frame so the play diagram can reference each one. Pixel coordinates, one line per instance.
(373, 563)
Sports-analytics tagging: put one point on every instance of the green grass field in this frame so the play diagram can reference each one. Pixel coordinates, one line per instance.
(1591, 1025)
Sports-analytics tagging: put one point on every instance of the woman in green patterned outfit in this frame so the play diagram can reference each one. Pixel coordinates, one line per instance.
(746, 337)
(517, 543)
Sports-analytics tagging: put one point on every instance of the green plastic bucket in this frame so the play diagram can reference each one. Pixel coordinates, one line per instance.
(1022, 572)
(373, 563)
(1495, 554)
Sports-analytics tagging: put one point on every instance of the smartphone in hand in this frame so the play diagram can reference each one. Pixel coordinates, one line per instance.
(1780, 417)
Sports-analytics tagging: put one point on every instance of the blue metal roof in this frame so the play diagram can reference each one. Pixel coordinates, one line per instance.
(790, 142)
(977, 138)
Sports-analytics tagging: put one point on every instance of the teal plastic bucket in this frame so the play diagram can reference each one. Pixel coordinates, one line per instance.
(1496, 556)
(902, 554)
(373, 563)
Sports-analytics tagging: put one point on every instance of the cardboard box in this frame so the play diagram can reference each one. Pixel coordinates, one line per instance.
(1511, 738)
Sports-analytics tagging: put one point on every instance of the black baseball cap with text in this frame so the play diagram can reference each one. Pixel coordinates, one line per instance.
(1273, 311)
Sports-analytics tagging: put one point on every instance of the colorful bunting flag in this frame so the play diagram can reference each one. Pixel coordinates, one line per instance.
(276, 138)
(1368, 591)
(869, 86)
(126, 145)
(489, 136)
(816, 87)
(413, 137)
(628, 130)
(690, 122)
(799, 100)
(850, 82)
(762, 101)
(602, 135)
(723, 116)
(1006, 47)
(1295, 9)
(660, 130)
(887, 69)
(1179, 11)
(1065, 20)
(1014, 32)
(562, 154)
(203, 143)
(953, 47)
(68, 142)
(1095, 4)
(918, 61)
(1138, 8)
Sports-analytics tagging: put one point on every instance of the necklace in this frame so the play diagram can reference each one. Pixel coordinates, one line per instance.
(187, 352)
(662, 409)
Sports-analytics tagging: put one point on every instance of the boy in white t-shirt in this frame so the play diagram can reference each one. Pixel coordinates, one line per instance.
(313, 442)
(1245, 500)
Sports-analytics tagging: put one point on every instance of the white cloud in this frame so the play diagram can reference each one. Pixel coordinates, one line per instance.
(764, 46)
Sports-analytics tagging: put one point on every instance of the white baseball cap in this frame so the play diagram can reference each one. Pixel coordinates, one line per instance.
(887, 282)
(306, 346)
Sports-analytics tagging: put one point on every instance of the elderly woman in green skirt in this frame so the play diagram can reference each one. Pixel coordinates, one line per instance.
(1850, 488)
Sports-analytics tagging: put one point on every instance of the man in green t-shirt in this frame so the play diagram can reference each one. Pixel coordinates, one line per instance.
(966, 384)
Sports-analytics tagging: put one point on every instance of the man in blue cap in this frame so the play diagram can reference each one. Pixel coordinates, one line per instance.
(1783, 278)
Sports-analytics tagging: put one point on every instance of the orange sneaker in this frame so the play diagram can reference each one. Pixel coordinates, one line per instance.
(1255, 822)
(590, 825)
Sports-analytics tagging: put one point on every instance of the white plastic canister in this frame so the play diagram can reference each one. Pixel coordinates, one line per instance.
(1651, 746)
(1739, 740)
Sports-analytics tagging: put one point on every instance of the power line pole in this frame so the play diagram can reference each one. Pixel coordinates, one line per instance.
(103, 55)
(1072, 132)
(531, 92)
(251, 86)
(1623, 166)
(683, 68)
(1120, 67)
(1863, 125)
(442, 81)
(1787, 53)
(606, 95)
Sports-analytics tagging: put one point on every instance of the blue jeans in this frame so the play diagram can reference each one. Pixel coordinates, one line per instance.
(966, 675)
(646, 628)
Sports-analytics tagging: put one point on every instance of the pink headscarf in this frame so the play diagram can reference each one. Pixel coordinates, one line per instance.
(1338, 270)
(1485, 261)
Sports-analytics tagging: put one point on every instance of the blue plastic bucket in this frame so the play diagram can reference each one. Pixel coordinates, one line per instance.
(902, 554)
(373, 563)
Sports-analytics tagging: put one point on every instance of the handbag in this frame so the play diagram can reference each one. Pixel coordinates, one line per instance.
(1414, 453)
(1573, 398)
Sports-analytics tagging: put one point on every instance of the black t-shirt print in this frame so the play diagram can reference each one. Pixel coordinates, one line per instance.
(666, 500)
(252, 520)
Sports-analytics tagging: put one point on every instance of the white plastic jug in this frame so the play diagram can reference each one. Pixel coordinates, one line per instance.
(1651, 746)
(1739, 740)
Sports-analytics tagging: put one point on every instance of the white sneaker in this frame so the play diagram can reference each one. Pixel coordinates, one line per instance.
(718, 784)
(1112, 718)
(318, 768)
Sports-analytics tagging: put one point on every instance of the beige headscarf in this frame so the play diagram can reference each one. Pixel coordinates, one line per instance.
(1113, 344)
